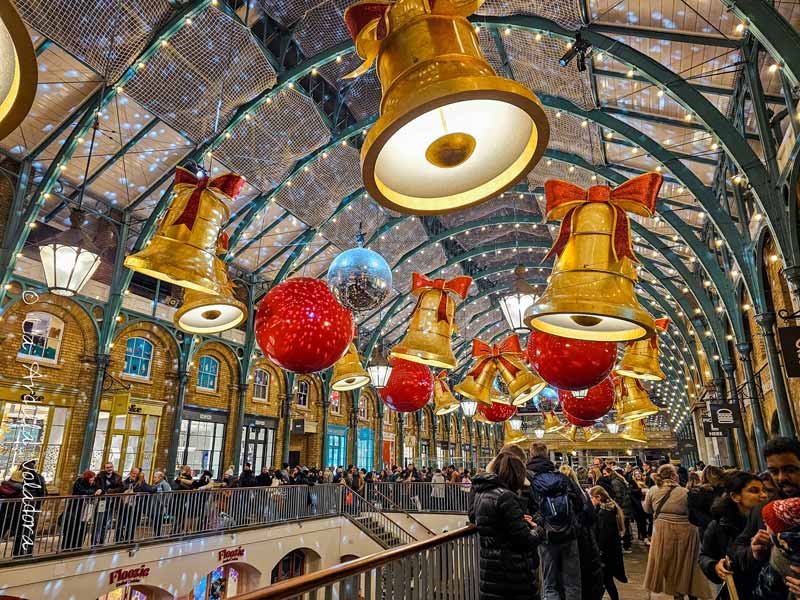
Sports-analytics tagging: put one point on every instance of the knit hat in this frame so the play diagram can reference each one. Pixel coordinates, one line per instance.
(782, 515)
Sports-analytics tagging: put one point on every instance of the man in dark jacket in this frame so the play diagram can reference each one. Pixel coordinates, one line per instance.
(132, 504)
(108, 481)
(752, 547)
(264, 479)
(247, 478)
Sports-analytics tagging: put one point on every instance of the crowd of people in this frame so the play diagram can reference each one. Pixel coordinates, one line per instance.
(708, 531)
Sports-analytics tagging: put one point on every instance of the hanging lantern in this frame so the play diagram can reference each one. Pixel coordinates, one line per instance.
(348, 374)
(19, 74)
(443, 400)
(539, 433)
(633, 401)
(613, 428)
(301, 327)
(360, 278)
(409, 386)
(212, 313)
(469, 407)
(641, 358)
(497, 412)
(596, 403)
(570, 364)
(69, 258)
(591, 293)
(514, 304)
(635, 431)
(379, 368)
(551, 422)
(183, 250)
(428, 339)
(451, 133)
(513, 435)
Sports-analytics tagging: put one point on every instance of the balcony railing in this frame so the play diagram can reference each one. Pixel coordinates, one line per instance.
(443, 567)
(419, 497)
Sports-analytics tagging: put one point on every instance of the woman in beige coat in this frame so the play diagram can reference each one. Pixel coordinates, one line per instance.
(672, 566)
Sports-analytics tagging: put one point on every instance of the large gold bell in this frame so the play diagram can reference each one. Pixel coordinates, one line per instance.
(443, 400)
(591, 433)
(634, 431)
(183, 250)
(641, 358)
(451, 133)
(633, 403)
(571, 433)
(522, 385)
(512, 436)
(480, 389)
(348, 373)
(551, 422)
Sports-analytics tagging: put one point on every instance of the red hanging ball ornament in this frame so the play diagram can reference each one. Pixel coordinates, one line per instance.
(576, 421)
(301, 326)
(598, 401)
(569, 364)
(409, 386)
(497, 412)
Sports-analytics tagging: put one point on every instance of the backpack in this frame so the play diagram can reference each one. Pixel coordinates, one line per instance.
(555, 508)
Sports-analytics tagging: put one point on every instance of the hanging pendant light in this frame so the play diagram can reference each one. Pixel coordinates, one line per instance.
(514, 304)
(469, 407)
(379, 368)
(612, 427)
(69, 258)
(18, 72)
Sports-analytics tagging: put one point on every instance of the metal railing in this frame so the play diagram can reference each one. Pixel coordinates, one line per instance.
(48, 526)
(369, 518)
(443, 567)
(420, 497)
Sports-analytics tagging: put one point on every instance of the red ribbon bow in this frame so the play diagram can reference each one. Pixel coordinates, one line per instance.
(637, 195)
(458, 286)
(498, 353)
(661, 325)
(229, 184)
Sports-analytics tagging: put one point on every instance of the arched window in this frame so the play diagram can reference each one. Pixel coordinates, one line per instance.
(41, 336)
(302, 394)
(291, 565)
(207, 373)
(261, 385)
(363, 410)
(138, 356)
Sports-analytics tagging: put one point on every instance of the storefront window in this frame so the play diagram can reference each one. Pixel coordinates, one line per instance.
(337, 447)
(291, 565)
(31, 432)
(207, 373)
(41, 336)
(260, 385)
(365, 452)
(222, 582)
(201, 441)
(258, 444)
(138, 356)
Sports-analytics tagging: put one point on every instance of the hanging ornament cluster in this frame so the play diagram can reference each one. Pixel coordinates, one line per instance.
(409, 387)
(360, 278)
(450, 133)
(505, 360)
(443, 400)
(598, 401)
(428, 339)
(590, 294)
(641, 358)
(570, 364)
(301, 326)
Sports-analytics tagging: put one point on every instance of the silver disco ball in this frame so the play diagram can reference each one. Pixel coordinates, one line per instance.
(360, 279)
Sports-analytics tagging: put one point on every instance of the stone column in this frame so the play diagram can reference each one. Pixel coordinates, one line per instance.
(766, 321)
(102, 361)
(738, 432)
(760, 432)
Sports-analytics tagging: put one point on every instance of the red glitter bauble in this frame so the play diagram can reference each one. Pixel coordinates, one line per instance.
(409, 387)
(569, 364)
(576, 421)
(301, 326)
(497, 412)
(598, 401)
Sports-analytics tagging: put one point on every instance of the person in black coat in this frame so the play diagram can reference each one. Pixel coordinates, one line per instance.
(76, 512)
(743, 492)
(508, 539)
(701, 498)
(609, 527)
(247, 478)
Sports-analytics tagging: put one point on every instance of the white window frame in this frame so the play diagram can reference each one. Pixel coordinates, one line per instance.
(201, 372)
(27, 339)
(145, 377)
(363, 409)
(336, 406)
(303, 390)
(263, 384)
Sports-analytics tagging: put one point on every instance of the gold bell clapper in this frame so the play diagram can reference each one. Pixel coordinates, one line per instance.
(451, 133)
(511, 435)
(590, 294)
(183, 250)
(633, 403)
(443, 400)
(212, 313)
(429, 336)
(551, 422)
(348, 372)
(641, 358)
(634, 431)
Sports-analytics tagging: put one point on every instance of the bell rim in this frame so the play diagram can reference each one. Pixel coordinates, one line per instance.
(211, 299)
(636, 416)
(361, 381)
(506, 90)
(26, 70)
(422, 357)
(537, 313)
(639, 374)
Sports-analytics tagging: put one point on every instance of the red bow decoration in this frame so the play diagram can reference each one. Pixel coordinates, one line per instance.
(637, 195)
(499, 353)
(662, 324)
(458, 286)
(441, 380)
(229, 184)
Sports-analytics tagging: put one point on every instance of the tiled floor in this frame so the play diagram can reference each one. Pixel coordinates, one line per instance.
(635, 565)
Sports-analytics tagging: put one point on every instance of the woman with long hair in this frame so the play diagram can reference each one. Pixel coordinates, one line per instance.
(672, 566)
(702, 496)
(609, 527)
(638, 490)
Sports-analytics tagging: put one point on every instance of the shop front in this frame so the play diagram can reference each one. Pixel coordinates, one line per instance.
(258, 442)
(202, 440)
(337, 446)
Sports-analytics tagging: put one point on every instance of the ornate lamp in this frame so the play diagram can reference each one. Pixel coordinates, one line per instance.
(379, 368)
(518, 301)
(612, 427)
(69, 258)
(19, 74)
(469, 407)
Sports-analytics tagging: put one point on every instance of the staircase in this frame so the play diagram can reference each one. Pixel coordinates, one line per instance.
(369, 519)
(374, 529)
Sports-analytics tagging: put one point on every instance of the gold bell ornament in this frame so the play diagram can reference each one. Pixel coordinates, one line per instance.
(633, 403)
(591, 433)
(551, 422)
(451, 133)
(481, 419)
(428, 339)
(641, 358)
(212, 313)
(183, 250)
(443, 400)
(571, 433)
(348, 372)
(19, 74)
(634, 431)
(513, 435)
(590, 294)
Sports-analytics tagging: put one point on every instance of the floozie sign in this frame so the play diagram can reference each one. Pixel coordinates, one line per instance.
(230, 554)
(127, 576)
(790, 348)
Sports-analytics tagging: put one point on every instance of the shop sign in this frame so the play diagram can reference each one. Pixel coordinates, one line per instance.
(127, 576)
(708, 428)
(230, 554)
(724, 416)
(790, 347)
(298, 426)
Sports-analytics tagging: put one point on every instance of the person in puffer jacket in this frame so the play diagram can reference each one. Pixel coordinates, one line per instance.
(508, 538)
(778, 578)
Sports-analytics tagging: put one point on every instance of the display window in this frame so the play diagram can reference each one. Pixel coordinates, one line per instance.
(258, 443)
(337, 446)
(41, 337)
(201, 441)
(365, 453)
(31, 431)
